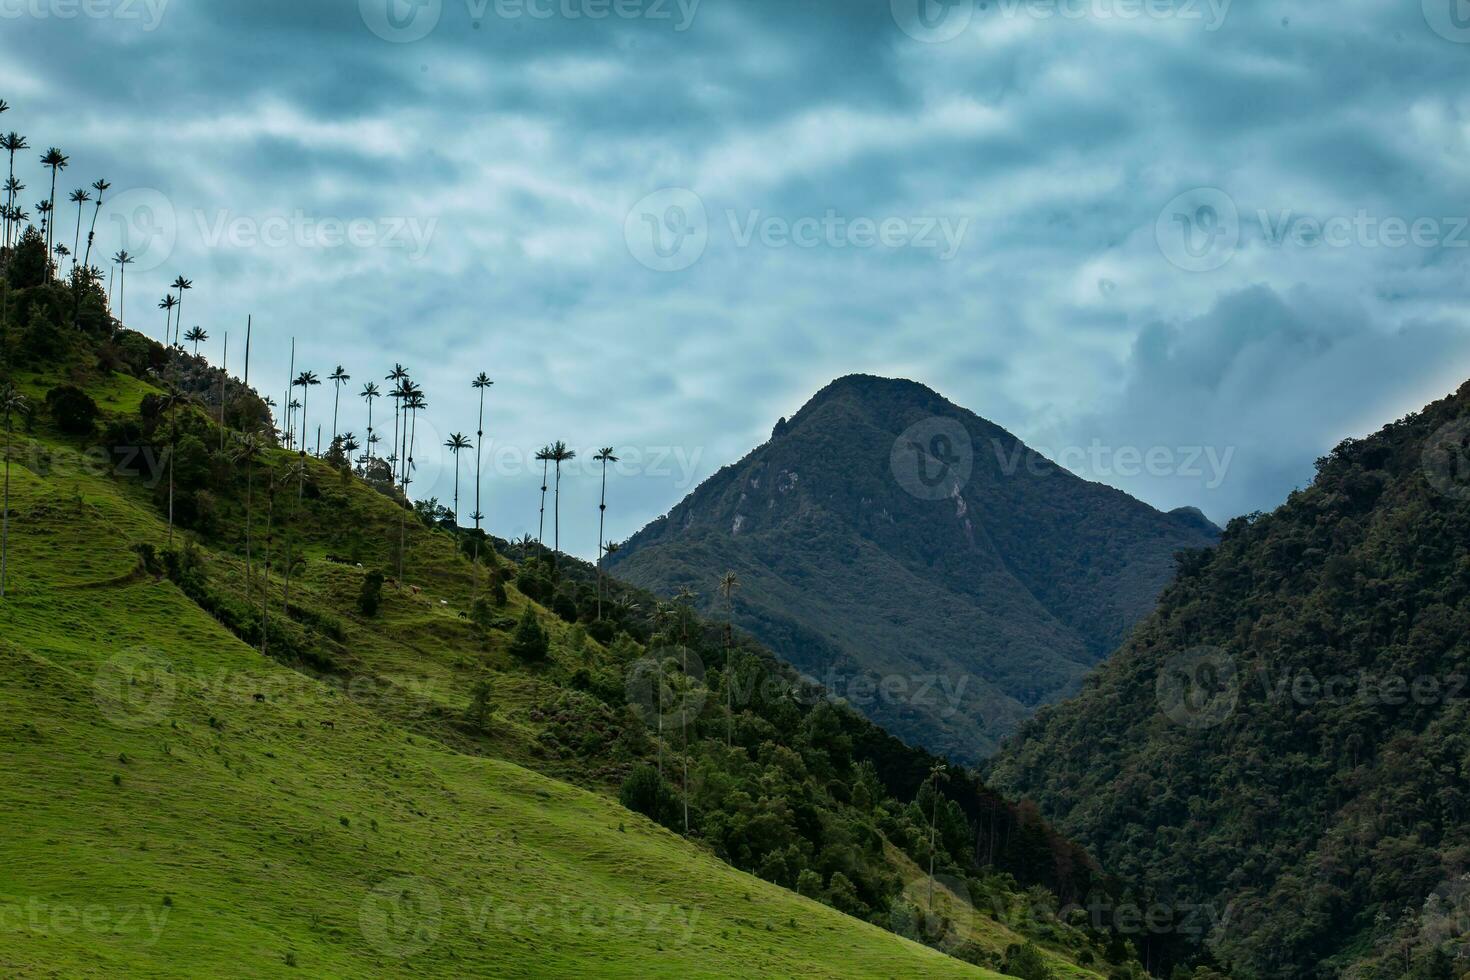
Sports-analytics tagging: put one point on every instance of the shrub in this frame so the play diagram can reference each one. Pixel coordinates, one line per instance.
(530, 641)
(809, 883)
(645, 792)
(370, 599)
(1025, 962)
(482, 705)
(74, 411)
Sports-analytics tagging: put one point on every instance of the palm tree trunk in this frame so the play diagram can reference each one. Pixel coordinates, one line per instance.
(265, 577)
(173, 444)
(249, 507)
(479, 441)
(601, 516)
(51, 217)
(729, 701)
(396, 457)
(76, 243)
(336, 400)
(556, 519)
(5, 519)
(541, 526)
(224, 378)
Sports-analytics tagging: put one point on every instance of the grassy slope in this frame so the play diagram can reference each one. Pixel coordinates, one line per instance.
(171, 824)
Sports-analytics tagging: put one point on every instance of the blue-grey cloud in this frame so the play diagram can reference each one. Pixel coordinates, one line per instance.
(489, 169)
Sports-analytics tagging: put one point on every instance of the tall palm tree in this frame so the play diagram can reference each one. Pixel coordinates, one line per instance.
(457, 443)
(684, 606)
(173, 400)
(604, 457)
(248, 453)
(101, 186)
(167, 304)
(297, 471)
(196, 336)
(559, 454)
(338, 378)
(369, 392)
(123, 260)
(543, 456)
(306, 380)
(78, 197)
(413, 402)
(10, 143)
(482, 385)
(728, 584)
(11, 404)
(57, 161)
(61, 252)
(265, 576)
(181, 284)
(936, 773)
(398, 376)
(43, 211)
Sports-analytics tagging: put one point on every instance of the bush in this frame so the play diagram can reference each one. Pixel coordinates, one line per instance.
(370, 599)
(645, 792)
(74, 411)
(1025, 962)
(809, 883)
(530, 641)
(482, 705)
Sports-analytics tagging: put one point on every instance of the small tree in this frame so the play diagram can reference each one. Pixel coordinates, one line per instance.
(1026, 962)
(74, 411)
(370, 599)
(645, 792)
(482, 704)
(530, 641)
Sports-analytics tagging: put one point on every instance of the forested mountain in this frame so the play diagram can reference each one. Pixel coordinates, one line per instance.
(918, 560)
(1286, 741)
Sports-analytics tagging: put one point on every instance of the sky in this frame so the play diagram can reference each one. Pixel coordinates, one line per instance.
(1184, 247)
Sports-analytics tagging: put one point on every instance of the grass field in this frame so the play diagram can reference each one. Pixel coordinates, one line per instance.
(177, 805)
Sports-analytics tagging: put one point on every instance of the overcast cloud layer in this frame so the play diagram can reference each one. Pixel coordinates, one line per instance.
(1215, 236)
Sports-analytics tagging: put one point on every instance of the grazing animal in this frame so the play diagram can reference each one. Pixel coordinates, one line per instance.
(415, 589)
(330, 724)
(464, 615)
(260, 699)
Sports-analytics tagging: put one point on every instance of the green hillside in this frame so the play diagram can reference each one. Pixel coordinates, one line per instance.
(1284, 743)
(215, 780)
(983, 578)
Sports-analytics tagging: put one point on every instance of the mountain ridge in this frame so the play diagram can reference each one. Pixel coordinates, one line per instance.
(858, 569)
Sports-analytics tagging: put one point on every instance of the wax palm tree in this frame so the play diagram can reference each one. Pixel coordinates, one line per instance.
(684, 604)
(167, 304)
(43, 211)
(196, 336)
(173, 400)
(349, 444)
(729, 582)
(10, 143)
(101, 186)
(413, 401)
(181, 284)
(292, 407)
(57, 161)
(249, 452)
(123, 260)
(61, 252)
(482, 385)
(456, 444)
(296, 471)
(338, 378)
(398, 376)
(369, 392)
(543, 456)
(306, 380)
(559, 454)
(79, 197)
(936, 773)
(604, 457)
(11, 404)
